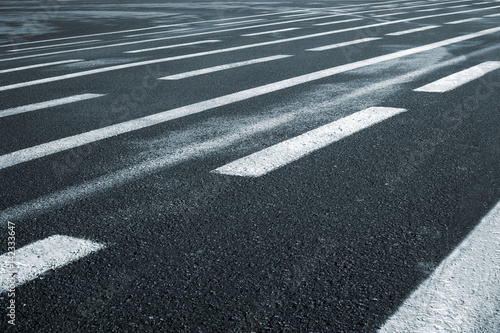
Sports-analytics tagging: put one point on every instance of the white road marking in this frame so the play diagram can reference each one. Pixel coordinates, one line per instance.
(270, 32)
(404, 32)
(78, 140)
(428, 10)
(239, 22)
(303, 14)
(465, 20)
(408, 7)
(222, 67)
(30, 261)
(158, 32)
(390, 14)
(492, 15)
(459, 6)
(54, 45)
(174, 46)
(458, 79)
(334, 46)
(337, 22)
(286, 152)
(48, 104)
(39, 65)
(463, 293)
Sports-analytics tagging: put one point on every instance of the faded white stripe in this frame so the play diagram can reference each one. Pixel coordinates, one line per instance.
(16, 69)
(410, 31)
(36, 258)
(465, 20)
(270, 32)
(337, 22)
(174, 46)
(48, 104)
(54, 45)
(458, 79)
(334, 46)
(286, 152)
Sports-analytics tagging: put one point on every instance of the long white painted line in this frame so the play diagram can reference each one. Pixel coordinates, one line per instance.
(405, 32)
(174, 46)
(390, 14)
(428, 10)
(158, 32)
(409, 7)
(492, 15)
(286, 152)
(269, 32)
(459, 6)
(54, 45)
(463, 293)
(78, 140)
(223, 67)
(30, 261)
(9, 70)
(240, 22)
(48, 104)
(337, 22)
(353, 42)
(465, 20)
(458, 79)
(297, 15)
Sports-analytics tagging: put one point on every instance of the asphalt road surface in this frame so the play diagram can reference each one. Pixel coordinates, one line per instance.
(250, 166)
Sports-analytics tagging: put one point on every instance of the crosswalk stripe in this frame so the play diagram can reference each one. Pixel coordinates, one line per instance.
(270, 32)
(458, 79)
(286, 152)
(30, 261)
(337, 22)
(54, 45)
(174, 46)
(48, 104)
(16, 69)
(465, 20)
(410, 31)
(353, 42)
(222, 67)
(462, 293)
(56, 146)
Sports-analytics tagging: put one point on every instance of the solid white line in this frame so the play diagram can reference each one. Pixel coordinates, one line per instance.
(408, 7)
(48, 104)
(390, 14)
(54, 45)
(428, 10)
(286, 152)
(465, 20)
(492, 15)
(458, 79)
(297, 15)
(222, 67)
(239, 22)
(336, 22)
(78, 140)
(463, 293)
(334, 46)
(404, 32)
(174, 46)
(158, 32)
(459, 6)
(269, 32)
(30, 261)
(38, 65)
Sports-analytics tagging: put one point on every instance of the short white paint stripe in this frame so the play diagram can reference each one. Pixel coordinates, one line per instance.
(78, 140)
(407, 7)
(30, 261)
(297, 15)
(239, 22)
(458, 79)
(463, 293)
(404, 32)
(337, 22)
(270, 32)
(158, 32)
(428, 10)
(286, 152)
(192, 55)
(16, 69)
(223, 67)
(459, 6)
(334, 46)
(48, 104)
(465, 20)
(390, 14)
(54, 45)
(174, 46)
(492, 15)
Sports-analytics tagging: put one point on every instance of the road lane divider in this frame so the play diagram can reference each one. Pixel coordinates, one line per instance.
(456, 80)
(410, 31)
(270, 32)
(463, 292)
(209, 41)
(22, 68)
(238, 22)
(337, 22)
(472, 19)
(54, 45)
(47, 104)
(45, 149)
(353, 42)
(223, 67)
(389, 14)
(272, 158)
(31, 261)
